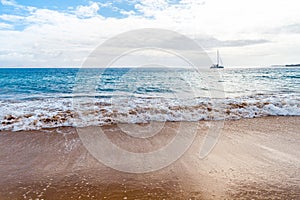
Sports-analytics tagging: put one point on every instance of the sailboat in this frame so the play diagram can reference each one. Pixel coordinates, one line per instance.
(219, 62)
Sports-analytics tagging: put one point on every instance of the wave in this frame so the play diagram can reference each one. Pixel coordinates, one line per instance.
(79, 111)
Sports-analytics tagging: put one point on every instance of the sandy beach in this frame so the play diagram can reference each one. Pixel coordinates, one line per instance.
(254, 159)
(149, 100)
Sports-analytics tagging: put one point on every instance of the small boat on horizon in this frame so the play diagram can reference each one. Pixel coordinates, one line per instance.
(219, 62)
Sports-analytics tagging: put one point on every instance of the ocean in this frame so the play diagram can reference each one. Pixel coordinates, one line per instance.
(36, 98)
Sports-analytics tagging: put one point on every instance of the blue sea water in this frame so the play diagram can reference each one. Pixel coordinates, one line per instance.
(39, 97)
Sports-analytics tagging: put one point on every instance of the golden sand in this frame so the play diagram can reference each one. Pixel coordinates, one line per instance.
(254, 159)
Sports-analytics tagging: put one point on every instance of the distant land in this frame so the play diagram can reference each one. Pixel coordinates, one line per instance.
(288, 65)
(293, 65)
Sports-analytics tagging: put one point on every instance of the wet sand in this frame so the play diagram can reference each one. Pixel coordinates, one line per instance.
(254, 159)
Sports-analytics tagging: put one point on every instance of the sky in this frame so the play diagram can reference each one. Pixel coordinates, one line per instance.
(63, 33)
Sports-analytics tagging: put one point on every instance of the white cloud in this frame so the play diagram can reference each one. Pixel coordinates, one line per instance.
(242, 30)
(88, 11)
(8, 2)
(16, 5)
(5, 26)
(128, 13)
(11, 18)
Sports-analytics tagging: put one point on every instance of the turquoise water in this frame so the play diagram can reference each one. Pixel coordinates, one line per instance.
(34, 97)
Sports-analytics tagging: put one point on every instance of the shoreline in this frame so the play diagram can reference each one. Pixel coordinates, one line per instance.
(254, 158)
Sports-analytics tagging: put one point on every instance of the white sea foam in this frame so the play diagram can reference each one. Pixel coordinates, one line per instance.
(56, 112)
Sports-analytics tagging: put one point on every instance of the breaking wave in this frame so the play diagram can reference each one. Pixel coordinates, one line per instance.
(56, 112)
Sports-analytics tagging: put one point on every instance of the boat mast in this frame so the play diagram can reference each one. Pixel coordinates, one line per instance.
(217, 57)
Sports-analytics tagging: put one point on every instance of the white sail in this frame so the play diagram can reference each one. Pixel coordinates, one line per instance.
(219, 62)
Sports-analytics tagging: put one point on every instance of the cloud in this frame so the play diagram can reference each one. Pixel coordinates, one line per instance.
(212, 42)
(8, 2)
(241, 43)
(291, 28)
(128, 13)
(5, 26)
(11, 18)
(45, 37)
(16, 5)
(150, 7)
(88, 11)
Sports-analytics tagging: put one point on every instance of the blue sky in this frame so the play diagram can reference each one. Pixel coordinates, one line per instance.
(108, 8)
(64, 32)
